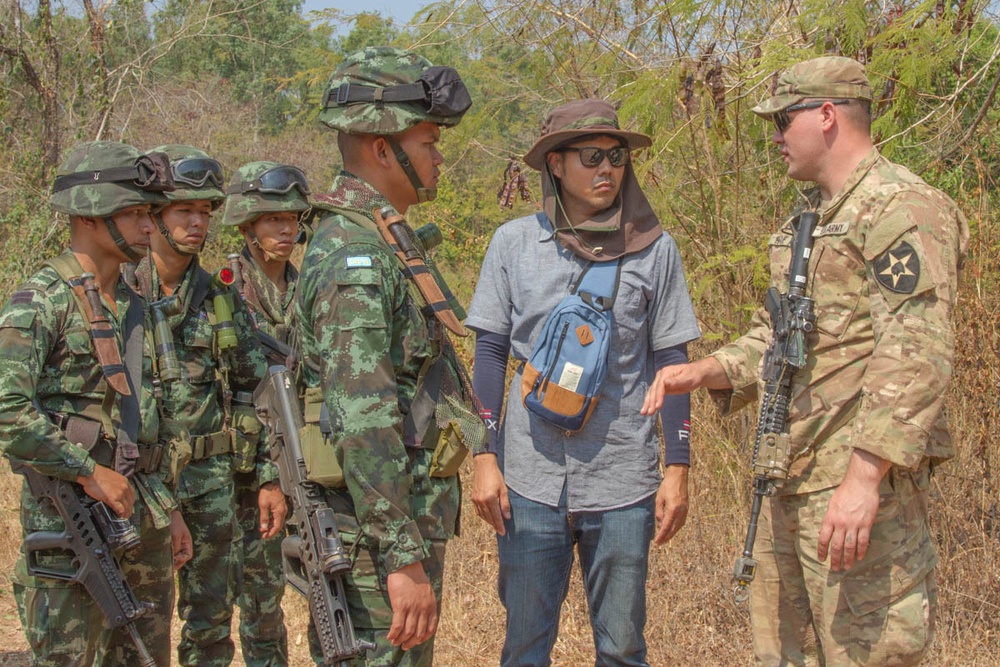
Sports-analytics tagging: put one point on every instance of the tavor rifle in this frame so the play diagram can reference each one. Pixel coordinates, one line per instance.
(93, 533)
(314, 559)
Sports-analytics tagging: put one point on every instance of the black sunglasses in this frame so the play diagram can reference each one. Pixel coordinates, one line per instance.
(782, 120)
(197, 172)
(276, 181)
(591, 156)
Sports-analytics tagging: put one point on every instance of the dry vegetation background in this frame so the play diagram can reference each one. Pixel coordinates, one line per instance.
(717, 184)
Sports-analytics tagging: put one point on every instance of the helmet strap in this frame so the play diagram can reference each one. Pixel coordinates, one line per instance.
(180, 249)
(268, 256)
(423, 194)
(119, 240)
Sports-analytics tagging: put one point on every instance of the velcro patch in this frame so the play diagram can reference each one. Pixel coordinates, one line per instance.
(359, 262)
(898, 269)
(22, 297)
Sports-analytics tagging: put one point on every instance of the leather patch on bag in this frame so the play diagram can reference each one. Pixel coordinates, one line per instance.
(898, 269)
(584, 335)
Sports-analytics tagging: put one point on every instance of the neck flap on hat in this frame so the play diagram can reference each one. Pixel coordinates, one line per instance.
(628, 226)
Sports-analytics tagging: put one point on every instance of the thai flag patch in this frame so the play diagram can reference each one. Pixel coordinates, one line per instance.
(359, 262)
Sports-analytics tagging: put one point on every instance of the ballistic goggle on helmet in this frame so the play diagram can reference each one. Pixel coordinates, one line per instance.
(383, 90)
(98, 178)
(197, 175)
(265, 187)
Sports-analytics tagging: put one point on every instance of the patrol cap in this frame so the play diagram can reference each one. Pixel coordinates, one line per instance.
(264, 187)
(383, 90)
(827, 76)
(98, 178)
(580, 118)
(197, 175)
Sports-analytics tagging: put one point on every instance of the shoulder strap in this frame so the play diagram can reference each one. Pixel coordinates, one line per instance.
(598, 286)
(126, 451)
(412, 265)
(102, 335)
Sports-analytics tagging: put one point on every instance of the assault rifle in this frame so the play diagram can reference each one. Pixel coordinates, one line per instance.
(792, 317)
(93, 533)
(314, 560)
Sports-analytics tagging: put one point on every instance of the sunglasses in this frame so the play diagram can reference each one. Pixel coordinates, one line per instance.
(591, 156)
(197, 172)
(782, 120)
(276, 181)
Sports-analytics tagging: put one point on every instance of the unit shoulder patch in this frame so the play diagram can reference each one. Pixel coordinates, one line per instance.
(898, 269)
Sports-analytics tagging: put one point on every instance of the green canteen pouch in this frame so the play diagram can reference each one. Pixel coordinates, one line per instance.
(246, 437)
(177, 441)
(318, 452)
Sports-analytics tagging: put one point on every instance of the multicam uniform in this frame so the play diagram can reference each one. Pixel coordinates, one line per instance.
(262, 621)
(360, 322)
(884, 273)
(48, 367)
(223, 434)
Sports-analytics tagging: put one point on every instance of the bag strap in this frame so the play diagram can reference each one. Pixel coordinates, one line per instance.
(598, 284)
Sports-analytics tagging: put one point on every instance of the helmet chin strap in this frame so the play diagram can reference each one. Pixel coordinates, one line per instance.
(120, 241)
(423, 194)
(268, 255)
(179, 248)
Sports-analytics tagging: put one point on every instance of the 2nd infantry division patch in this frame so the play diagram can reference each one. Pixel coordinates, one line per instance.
(898, 269)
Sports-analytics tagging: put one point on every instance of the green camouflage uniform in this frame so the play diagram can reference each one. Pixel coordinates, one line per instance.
(49, 365)
(47, 362)
(262, 623)
(883, 274)
(362, 326)
(207, 584)
(263, 637)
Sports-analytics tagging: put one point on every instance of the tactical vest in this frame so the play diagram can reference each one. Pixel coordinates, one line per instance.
(442, 414)
(94, 430)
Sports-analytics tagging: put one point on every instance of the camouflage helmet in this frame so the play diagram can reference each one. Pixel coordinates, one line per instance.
(248, 194)
(98, 178)
(197, 175)
(383, 90)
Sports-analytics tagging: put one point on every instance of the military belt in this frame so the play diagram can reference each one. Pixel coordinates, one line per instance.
(213, 444)
(89, 435)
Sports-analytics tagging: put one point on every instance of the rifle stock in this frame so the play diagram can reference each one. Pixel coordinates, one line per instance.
(92, 533)
(314, 560)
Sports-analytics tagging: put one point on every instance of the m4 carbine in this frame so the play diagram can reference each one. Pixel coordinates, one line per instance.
(92, 535)
(314, 559)
(792, 317)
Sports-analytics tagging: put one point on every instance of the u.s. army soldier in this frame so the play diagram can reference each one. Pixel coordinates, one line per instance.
(846, 559)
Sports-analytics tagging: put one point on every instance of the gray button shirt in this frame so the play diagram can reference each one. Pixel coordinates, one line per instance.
(614, 461)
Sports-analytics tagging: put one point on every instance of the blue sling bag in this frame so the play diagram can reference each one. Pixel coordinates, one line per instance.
(561, 381)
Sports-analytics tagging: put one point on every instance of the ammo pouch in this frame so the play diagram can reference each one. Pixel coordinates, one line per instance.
(318, 452)
(89, 435)
(245, 432)
(176, 440)
(451, 428)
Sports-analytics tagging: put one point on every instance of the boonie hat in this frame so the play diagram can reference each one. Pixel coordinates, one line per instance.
(580, 118)
(827, 76)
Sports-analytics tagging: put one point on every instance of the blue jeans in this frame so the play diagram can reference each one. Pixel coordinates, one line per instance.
(536, 556)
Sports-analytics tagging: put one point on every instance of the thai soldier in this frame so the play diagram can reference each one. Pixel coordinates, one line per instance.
(265, 278)
(384, 366)
(61, 414)
(845, 572)
(220, 364)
